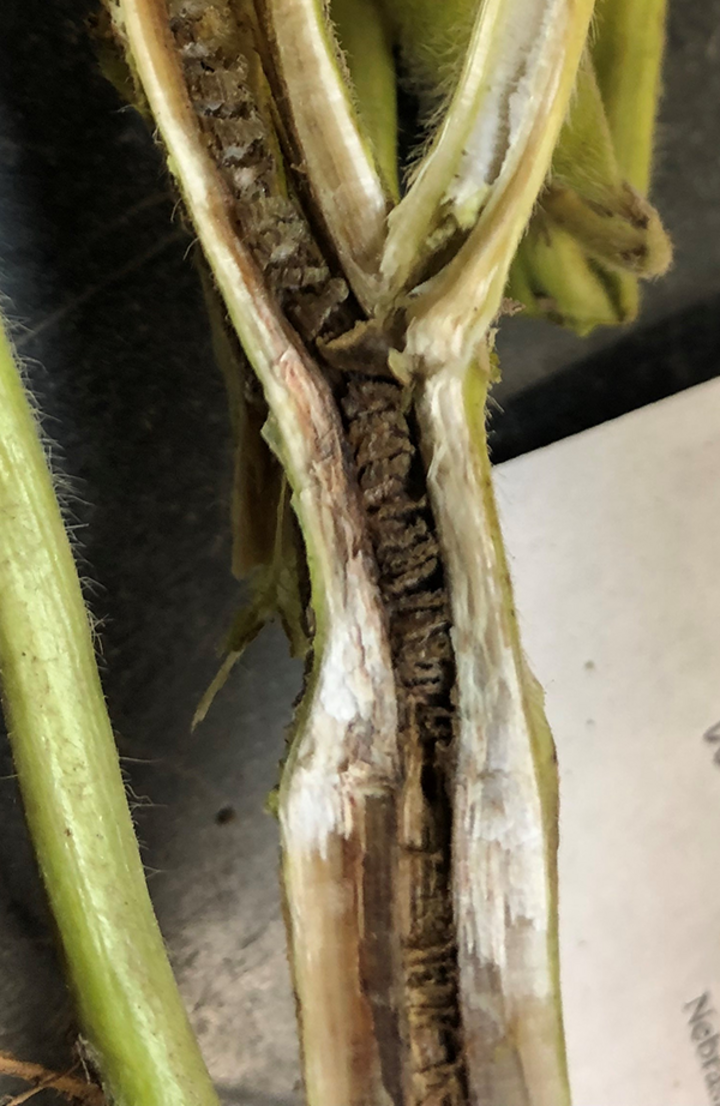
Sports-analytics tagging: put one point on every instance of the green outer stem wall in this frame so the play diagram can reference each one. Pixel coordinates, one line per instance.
(67, 764)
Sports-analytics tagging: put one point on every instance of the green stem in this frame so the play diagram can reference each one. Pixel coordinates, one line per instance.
(130, 1010)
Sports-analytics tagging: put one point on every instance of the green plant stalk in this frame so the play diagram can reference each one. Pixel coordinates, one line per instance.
(627, 52)
(131, 1014)
(367, 48)
(553, 278)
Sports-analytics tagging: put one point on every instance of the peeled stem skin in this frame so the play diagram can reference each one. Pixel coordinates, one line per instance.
(351, 199)
(505, 793)
(450, 314)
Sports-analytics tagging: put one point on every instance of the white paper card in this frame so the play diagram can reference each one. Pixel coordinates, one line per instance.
(614, 539)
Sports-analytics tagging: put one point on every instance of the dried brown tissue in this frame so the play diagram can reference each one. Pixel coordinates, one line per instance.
(215, 48)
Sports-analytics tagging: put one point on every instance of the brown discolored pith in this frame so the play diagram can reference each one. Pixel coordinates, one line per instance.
(413, 589)
(415, 1015)
(216, 52)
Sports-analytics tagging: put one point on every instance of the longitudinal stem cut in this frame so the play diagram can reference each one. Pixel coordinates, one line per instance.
(505, 785)
(418, 801)
(342, 770)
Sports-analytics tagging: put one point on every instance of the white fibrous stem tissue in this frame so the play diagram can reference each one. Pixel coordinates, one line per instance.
(517, 70)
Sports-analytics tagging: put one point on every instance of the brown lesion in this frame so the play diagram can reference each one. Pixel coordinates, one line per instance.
(412, 585)
(218, 54)
(408, 957)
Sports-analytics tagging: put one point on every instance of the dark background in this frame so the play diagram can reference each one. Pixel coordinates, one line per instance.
(107, 315)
